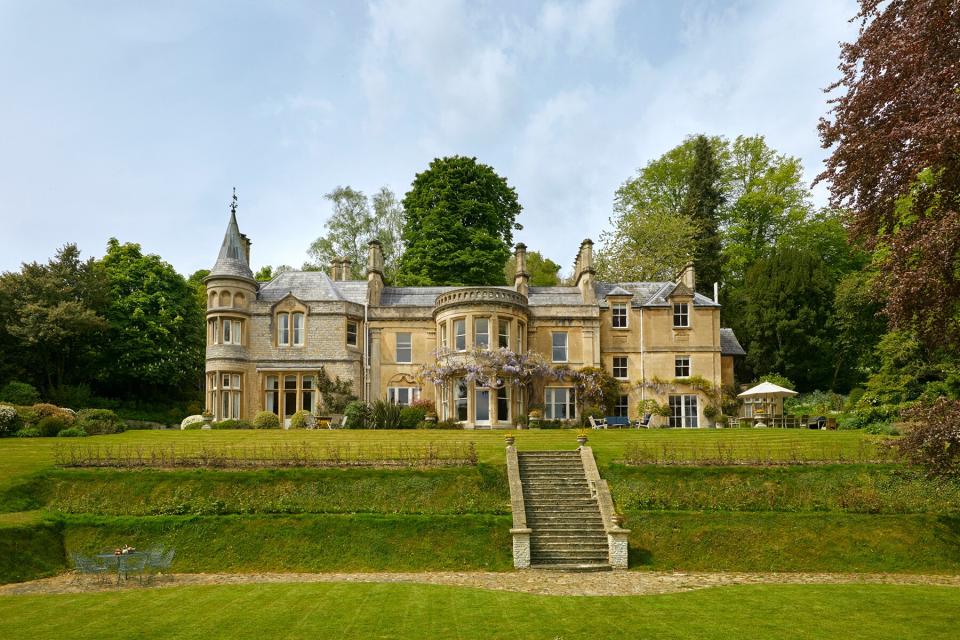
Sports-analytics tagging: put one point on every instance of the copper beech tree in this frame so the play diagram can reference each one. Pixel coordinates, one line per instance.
(895, 163)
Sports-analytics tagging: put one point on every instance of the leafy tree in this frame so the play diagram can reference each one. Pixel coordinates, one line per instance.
(267, 273)
(644, 244)
(544, 272)
(353, 225)
(703, 201)
(895, 162)
(788, 318)
(199, 288)
(460, 218)
(50, 318)
(860, 325)
(156, 324)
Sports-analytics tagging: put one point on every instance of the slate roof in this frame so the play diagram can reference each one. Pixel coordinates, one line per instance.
(232, 260)
(411, 296)
(646, 294)
(313, 286)
(554, 296)
(729, 345)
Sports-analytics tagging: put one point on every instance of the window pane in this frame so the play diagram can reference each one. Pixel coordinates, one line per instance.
(236, 405)
(404, 348)
(216, 330)
(284, 329)
(619, 315)
(690, 411)
(461, 400)
(559, 347)
(620, 367)
(681, 315)
(227, 335)
(481, 333)
(503, 405)
(225, 405)
(519, 337)
(352, 334)
(621, 409)
(290, 382)
(482, 408)
(298, 328)
(504, 334)
(676, 411)
(403, 396)
(442, 330)
(682, 368)
(460, 335)
(236, 381)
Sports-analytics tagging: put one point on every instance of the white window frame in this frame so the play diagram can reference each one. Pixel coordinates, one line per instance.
(230, 389)
(461, 397)
(625, 367)
(408, 348)
(460, 338)
(505, 391)
(520, 328)
(403, 396)
(356, 333)
(619, 315)
(232, 331)
(503, 333)
(621, 408)
(554, 346)
(681, 363)
(299, 329)
(552, 402)
(684, 411)
(283, 329)
(443, 335)
(681, 315)
(485, 333)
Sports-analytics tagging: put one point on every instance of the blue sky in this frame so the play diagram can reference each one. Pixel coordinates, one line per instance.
(135, 120)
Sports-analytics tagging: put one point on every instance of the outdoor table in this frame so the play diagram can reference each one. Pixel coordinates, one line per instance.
(107, 557)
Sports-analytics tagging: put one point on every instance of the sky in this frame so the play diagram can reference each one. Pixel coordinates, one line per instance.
(135, 120)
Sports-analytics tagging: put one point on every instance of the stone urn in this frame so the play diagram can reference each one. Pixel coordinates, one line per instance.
(509, 440)
(581, 440)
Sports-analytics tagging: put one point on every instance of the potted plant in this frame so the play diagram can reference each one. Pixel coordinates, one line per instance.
(509, 438)
(207, 417)
(710, 412)
(582, 437)
(535, 415)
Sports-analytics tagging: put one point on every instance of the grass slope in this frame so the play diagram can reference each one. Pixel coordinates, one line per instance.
(29, 548)
(846, 488)
(359, 542)
(695, 541)
(424, 611)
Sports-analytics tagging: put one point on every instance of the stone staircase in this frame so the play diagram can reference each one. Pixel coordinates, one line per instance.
(566, 528)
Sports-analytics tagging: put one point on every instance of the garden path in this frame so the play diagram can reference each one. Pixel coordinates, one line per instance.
(619, 583)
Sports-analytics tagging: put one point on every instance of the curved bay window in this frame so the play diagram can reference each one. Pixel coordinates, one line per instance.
(224, 394)
(224, 331)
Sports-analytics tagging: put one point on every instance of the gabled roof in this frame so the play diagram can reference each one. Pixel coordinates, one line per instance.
(646, 294)
(729, 345)
(619, 291)
(232, 261)
(681, 290)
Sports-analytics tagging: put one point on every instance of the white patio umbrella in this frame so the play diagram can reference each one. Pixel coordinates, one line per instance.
(768, 396)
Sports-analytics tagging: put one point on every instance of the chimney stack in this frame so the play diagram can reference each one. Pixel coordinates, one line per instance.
(583, 272)
(688, 276)
(521, 280)
(335, 269)
(346, 273)
(374, 272)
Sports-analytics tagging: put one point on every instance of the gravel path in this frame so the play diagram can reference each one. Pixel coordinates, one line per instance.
(620, 583)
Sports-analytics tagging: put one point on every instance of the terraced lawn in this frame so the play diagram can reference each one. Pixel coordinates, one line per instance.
(19, 457)
(379, 610)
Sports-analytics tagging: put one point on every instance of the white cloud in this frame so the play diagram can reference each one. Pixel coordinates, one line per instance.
(578, 27)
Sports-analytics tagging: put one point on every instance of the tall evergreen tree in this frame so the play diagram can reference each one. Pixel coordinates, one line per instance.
(460, 218)
(704, 199)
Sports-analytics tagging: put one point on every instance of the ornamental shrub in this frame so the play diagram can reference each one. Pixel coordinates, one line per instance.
(68, 395)
(9, 421)
(385, 415)
(266, 420)
(100, 422)
(933, 438)
(302, 419)
(28, 432)
(72, 432)
(410, 417)
(19, 393)
(50, 426)
(190, 421)
(356, 415)
(232, 424)
(45, 409)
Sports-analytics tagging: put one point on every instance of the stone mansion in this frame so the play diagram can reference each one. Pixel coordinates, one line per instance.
(266, 342)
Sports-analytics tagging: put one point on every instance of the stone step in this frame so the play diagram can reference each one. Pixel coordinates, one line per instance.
(572, 567)
(579, 558)
(565, 546)
(565, 522)
(573, 492)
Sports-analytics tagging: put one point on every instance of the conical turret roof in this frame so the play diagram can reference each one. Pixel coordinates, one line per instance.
(232, 261)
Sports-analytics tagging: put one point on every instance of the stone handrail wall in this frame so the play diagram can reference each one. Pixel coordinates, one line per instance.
(520, 531)
(617, 537)
(479, 295)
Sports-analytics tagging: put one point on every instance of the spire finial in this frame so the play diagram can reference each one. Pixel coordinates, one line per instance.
(233, 205)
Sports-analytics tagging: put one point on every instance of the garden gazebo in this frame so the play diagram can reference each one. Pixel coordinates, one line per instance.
(764, 401)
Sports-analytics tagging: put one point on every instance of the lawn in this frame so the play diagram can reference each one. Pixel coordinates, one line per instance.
(19, 457)
(350, 610)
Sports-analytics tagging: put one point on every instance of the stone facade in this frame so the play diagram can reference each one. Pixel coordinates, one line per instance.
(268, 342)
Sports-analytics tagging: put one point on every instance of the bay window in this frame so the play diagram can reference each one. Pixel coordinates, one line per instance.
(460, 335)
(559, 403)
(481, 333)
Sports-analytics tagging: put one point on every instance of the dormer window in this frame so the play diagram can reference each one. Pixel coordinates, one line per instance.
(681, 314)
(619, 315)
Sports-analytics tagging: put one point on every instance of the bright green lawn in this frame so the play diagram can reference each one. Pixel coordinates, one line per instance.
(425, 611)
(20, 456)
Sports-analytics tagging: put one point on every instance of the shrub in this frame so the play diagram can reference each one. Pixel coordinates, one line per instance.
(775, 378)
(596, 412)
(356, 415)
(302, 419)
(189, 421)
(385, 415)
(411, 416)
(266, 420)
(28, 432)
(19, 393)
(100, 422)
(50, 426)
(28, 417)
(231, 424)
(9, 421)
(933, 440)
(192, 426)
(45, 410)
(442, 424)
(72, 432)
